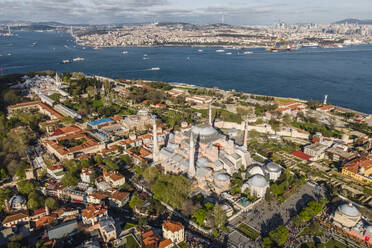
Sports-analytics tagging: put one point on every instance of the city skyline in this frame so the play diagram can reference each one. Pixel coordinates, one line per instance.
(256, 12)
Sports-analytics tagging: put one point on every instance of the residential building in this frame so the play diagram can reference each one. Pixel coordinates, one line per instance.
(315, 150)
(359, 168)
(91, 214)
(15, 219)
(174, 231)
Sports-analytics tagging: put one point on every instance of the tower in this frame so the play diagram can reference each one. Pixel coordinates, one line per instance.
(325, 99)
(46, 210)
(210, 114)
(191, 172)
(58, 80)
(155, 152)
(245, 134)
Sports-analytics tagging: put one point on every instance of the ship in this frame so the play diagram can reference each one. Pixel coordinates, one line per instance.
(282, 48)
(200, 50)
(78, 59)
(155, 68)
(229, 53)
(220, 51)
(247, 52)
(66, 61)
(124, 52)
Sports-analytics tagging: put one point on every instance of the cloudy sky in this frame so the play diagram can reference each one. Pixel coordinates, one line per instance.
(192, 11)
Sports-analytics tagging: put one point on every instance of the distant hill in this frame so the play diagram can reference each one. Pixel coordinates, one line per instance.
(355, 21)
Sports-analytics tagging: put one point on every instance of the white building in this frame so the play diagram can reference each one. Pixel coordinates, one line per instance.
(174, 231)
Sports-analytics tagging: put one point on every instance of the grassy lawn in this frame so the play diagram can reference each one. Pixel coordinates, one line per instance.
(248, 231)
(335, 244)
(284, 100)
(131, 242)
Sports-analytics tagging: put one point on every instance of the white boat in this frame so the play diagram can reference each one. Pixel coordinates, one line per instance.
(34, 44)
(124, 52)
(200, 50)
(247, 52)
(145, 55)
(9, 54)
(229, 53)
(78, 59)
(155, 68)
(66, 61)
(220, 51)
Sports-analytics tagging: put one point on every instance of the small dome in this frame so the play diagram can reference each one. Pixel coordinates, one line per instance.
(350, 210)
(272, 167)
(258, 181)
(203, 130)
(18, 199)
(223, 177)
(256, 170)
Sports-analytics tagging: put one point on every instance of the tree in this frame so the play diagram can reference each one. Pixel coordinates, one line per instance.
(69, 179)
(68, 121)
(200, 216)
(11, 97)
(92, 92)
(209, 206)
(26, 187)
(279, 235)
(52, 203)
(135, 201)
(219, 216)
(170, 189)
(267, 243)
(5, 194)
(151, 173)
(110, 165)
(98, 158)
(35, 201)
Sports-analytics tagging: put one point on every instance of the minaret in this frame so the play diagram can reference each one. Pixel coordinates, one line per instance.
(325, 99)
(46, 210)
(58, 81)
(210, 115)
(191, 172)
(155, 148)
(245, 134)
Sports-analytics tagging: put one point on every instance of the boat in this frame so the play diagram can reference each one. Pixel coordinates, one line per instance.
(34, 44)
(229, 53)
(96, 48)
(155, 68)
(220, 51)
(145, 55)
(247, 52)
(66, 61)
(280, 48)
(78, 59)
(124, 52)
(9, 54)
(200, 50)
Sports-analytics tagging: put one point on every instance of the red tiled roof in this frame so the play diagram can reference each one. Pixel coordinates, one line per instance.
(172, 226)
(355, 164)
(165, 243)
(301, 155)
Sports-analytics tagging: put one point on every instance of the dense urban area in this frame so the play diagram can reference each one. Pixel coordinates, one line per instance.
(181, 34)
(90, 161)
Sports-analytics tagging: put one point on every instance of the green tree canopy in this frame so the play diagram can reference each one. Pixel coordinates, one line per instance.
(26, 187)
(279, 235)
(200, 216)
(52, 203)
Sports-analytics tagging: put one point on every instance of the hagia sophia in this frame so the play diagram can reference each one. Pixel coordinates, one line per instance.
(209, 158)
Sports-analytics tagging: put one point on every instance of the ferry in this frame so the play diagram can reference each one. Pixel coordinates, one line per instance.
(229, 53)
(66, 61)
(124, 52)
(155, 68)
(78, 59)
(220, 51)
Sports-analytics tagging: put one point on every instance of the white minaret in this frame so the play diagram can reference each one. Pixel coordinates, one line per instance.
(325, 99)
(245, 134)
(210, 114)
(155, 149)
(191, 172)
(58, 80)
(46, 210)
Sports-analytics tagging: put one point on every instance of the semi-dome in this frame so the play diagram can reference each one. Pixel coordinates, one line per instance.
(256, 169)
(258, 181)
(203, 130)
(223, 177)
(272, 167)
(350, 210)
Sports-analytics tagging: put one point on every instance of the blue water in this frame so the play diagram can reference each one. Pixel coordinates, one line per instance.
(344, 74)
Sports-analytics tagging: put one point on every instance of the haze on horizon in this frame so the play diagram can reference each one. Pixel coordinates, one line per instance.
(191, 11)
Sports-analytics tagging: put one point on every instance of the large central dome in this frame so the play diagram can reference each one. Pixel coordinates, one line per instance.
(203, 130)
(350, 210)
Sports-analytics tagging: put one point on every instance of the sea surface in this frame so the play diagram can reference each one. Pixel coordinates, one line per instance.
(309, 73)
